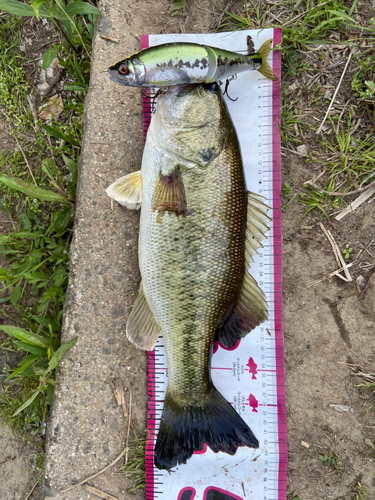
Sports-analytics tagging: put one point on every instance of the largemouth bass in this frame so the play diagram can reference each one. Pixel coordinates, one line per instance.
(184, 63)
(199, 231)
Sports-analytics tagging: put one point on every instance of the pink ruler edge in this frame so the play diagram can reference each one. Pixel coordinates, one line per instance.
(279, 342)
(277, 262)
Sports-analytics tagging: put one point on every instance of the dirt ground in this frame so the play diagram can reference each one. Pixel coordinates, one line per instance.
(329, 338)
(329, 335)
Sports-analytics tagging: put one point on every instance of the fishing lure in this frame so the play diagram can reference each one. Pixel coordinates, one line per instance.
(185, 63)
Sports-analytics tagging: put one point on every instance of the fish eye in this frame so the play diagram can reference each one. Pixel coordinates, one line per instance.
(124, 70)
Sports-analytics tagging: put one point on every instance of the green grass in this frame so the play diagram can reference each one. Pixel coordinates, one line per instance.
(346, 156)
(311, 24)
(348, 164)
(135, 469)
(330, 459)
(361, 493)
(37, 191)
(292, 496)
(291, 123)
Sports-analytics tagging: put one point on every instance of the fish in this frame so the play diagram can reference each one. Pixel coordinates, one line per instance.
(199, 231)
(186, 63)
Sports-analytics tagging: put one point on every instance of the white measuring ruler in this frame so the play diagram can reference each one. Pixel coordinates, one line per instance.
(251, 375)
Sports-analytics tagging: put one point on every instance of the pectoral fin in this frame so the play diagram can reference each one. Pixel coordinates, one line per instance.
(250, 308)
(169, 194)
(127, 190)
(141, 327)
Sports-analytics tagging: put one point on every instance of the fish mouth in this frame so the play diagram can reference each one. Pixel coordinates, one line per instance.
(115, 78)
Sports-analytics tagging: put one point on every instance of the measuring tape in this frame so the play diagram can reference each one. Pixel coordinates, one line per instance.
(251, 374)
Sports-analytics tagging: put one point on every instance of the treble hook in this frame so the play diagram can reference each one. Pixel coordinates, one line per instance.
(233, 77)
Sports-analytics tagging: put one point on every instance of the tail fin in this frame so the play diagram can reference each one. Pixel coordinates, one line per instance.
(266, 69)
(184, 430)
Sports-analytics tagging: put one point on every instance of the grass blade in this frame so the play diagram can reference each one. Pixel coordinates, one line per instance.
(29, 360)
(27, 403)
(25, 336)
(31, 190)
(54, 361)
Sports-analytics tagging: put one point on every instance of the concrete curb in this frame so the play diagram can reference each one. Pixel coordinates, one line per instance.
(87, 429)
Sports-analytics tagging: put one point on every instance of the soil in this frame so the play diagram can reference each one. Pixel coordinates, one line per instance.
(329, 327)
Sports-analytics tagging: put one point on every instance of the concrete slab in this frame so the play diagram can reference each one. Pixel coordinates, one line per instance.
(87, 429)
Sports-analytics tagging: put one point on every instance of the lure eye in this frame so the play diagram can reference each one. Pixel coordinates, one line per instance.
(124, 70)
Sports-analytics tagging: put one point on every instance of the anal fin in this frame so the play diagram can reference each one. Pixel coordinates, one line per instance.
(127, 190)
(250, 308)
(141, 327)
(169, 194)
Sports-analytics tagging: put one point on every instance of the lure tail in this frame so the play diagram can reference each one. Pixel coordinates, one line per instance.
(184, 430)
(266, 69)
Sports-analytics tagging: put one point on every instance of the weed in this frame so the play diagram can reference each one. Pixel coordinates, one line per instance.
(361, 83)
(330, 459)
(361, 493)
(287, 190)
(369, 386)
(135, 466)
(348, 167)
(346, 252)
(292, 496)
(291, 121)
(37, 250)
(315, 24)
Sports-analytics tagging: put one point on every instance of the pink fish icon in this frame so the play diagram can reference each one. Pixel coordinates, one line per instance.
(252, 368)
(253, 402)
(210, 493)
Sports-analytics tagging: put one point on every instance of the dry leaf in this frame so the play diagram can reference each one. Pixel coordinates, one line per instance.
(54, 106)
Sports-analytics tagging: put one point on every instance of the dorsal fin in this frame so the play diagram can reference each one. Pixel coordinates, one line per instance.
(250, 308)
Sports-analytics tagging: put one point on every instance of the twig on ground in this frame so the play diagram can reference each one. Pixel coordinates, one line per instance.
(118, 391)
(342, 112)
(32, 489)
(370, 377)
(7, 459)
(27, 163)
(217, 23)
(292, 151)
(127, 435)
(334, 95)
(98, 493)
(357, 202)
(339, 258)
(124, 451)
(110, 39)
(335, 193)
(365, 286)
(56, 186)
(334, 273)
(301, 15)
